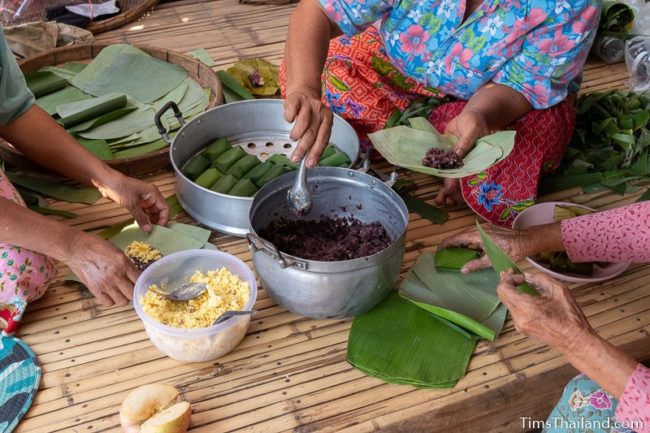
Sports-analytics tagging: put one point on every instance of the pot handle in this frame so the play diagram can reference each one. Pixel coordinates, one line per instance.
(365, 168)
(255, 243)
(158, 119)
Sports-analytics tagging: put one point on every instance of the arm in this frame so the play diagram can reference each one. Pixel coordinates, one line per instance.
(310, 31)
(44, 141)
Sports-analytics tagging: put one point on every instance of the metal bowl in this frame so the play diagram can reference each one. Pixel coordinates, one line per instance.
(320, 289)
(259, 127)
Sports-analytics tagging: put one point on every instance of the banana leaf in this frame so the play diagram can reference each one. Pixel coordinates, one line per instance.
(195, 166)
(166, 240)
(406, 147)
(104, 118)
(245, 164)
(145, 136)
(202, 55)
(64, 96)
(645, 196)
(275, 171)
(75, 113)
(131, 123)
(500, 260)
(228, 159)
(243, 188)
(144, 78)
(224, 184)
(61, 72)
(101, 62)
(329, 151)
(200, 234)
(176, 95)
(468, 300)
(258, 76)
(424, 209)
(69, 193)
(258, 172)
(280, 159)
(216, 148)
(99, 148)
(141, 150)
(43, 83)
(231, 85)
(453, 259)
(397, 342)
(338, 159)
(208, 177)
(561, 213)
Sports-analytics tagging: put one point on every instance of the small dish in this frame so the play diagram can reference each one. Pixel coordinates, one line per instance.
(542, 213)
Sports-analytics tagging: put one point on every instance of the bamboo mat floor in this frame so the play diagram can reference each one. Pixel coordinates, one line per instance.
(290, 374)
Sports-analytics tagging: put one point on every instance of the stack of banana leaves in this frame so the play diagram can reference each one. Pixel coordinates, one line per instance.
(109, 104)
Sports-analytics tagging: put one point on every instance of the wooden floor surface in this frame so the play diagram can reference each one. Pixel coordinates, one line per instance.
(290, 373)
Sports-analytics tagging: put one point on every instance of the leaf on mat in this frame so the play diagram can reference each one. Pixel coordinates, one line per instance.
(64, 96)
(69, 193)
(43, 83)
(397, 342)
(99, 148)
(233, 86)
(453, 259)
(75, 113)
(424, 209)
(104, 118)
(500, 260)
(202, 55)
(258, 76)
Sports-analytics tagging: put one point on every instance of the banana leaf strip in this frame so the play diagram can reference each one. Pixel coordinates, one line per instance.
(99, 148)
(202, 55)
(500, 260)
(75, 113)
(68, 94)
(233, 86)
(397, 342)
(65, 192)
(224, 184)
(43, 83)
(208, 177)
(243, 166)
(104, 118)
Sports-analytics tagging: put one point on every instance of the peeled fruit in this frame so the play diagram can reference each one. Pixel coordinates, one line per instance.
(148, 403)
(174, 419)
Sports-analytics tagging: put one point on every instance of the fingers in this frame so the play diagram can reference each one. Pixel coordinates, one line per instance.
(548, 285)
(104, 299)
(291, 108)
(141, 218)
(322, 139)
(464, 145)
(476, 265)
(507, 289)
(156, 207)
(118, 298)
(462, 239)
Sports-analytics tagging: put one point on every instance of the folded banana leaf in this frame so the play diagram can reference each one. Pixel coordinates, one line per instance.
(283, 160)
(453, 259)
(329, 151)
(243, 188)
(500, 260)
(99, 148)
(64, 96)
(615, 17)
(224, 184)
(200, 234)
(176, 95)
(275, 171)
(67, 71)
(202, 55)
(195, 166)
(397, 342)
(104, 118)
(561, 213)
(75, 113)
(468, 300)
(406, 147)
(228, 159)
(143, 137)
(258, 76)
(245, 164)
(131, 123)
(216, 148)
(69, 193)
(142, 77)
(43, 83)
(208, 177)
(338, 159)
(258, 172)
(234, 90)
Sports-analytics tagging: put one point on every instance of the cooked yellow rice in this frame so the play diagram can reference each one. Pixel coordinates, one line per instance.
(225, 291)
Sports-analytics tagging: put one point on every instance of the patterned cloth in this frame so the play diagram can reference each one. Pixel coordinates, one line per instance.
(361, 85)
(24, 274)
(616, 235)
(537, 47)
(20, 377)
(586, 407)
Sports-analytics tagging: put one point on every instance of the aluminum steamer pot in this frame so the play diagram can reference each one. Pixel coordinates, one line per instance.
(320, 289)
(258, 126)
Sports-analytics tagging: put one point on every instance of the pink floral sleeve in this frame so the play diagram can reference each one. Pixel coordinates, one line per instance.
(617, 235)
(634, 404)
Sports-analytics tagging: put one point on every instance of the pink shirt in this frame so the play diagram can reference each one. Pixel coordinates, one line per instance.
(617, 235)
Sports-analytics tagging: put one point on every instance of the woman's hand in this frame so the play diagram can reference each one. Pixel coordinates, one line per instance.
(313, 124)
(103, 268)
(467, 127)
(517, 244)
(142, 199)
(554, 317)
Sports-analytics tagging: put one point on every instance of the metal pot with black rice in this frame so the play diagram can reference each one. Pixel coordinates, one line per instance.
(340, 260)
(224, 156)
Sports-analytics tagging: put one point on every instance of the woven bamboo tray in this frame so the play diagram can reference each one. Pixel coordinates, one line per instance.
(133, 166)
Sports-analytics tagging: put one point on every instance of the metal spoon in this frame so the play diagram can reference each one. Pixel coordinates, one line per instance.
(299, 196)
(230, 313)
(185, 292)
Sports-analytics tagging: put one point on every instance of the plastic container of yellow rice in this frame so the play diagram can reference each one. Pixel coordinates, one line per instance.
(194, 344)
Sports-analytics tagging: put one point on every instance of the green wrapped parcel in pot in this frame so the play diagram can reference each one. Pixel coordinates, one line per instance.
(224, 184)
(243, 166)
(339, 159)
(243, 188)
(196, 166)
(228, 159)
(216, 148)
(256, 173)
(208, 177)
(329, 151)
(275, 171)
(283, 160)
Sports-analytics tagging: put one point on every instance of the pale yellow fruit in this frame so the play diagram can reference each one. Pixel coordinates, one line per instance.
(174, 419)
(144, 402)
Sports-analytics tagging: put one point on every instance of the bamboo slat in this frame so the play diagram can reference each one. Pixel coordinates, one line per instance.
(290, 374)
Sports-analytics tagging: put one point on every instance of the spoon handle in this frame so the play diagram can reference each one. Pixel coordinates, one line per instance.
(302, 173)
(230, 313)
